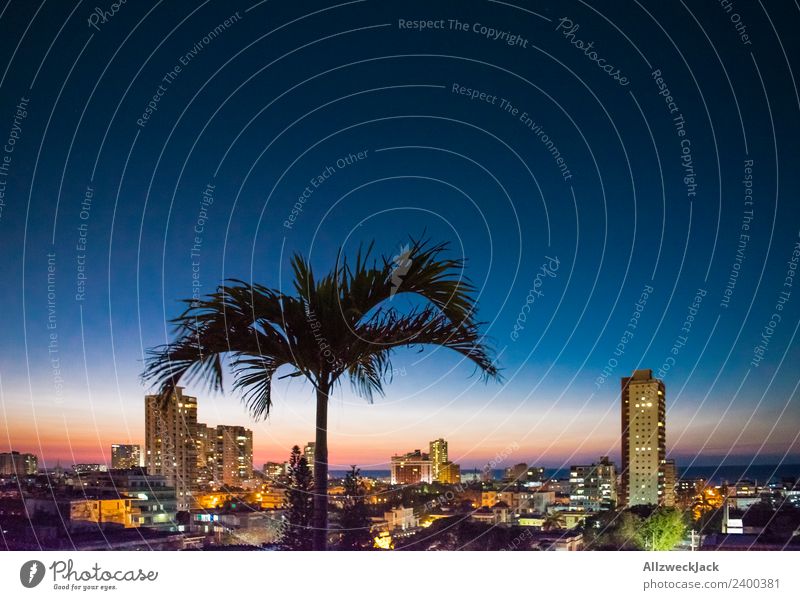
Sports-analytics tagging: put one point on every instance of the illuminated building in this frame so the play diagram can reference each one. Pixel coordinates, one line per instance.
(130, 498)
(411, 468)
(518, 473)
(535, 475)
(234, 455)
(83, 468)
(206, 441)
(153, 501)
(449, 473)
(594, 487)
(519, 502)
(84, 509)
(14, 463)
(670, 480)
(308, 452)
(170, 447)
(401, 518)
(643, 439)
(275, 471)
(438, 456)
(126, 456)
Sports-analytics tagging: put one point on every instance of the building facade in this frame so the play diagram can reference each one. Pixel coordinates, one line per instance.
(449, 473)
(594, 487)
(438, 456)
(308, 452)
(15, 463)
(234, 455)
(643, 410)
(170, 446)
(670, 481)
(411, 468)
(206, 442)
(126, 456)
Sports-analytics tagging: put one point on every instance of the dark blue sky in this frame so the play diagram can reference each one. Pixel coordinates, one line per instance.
(282, 92)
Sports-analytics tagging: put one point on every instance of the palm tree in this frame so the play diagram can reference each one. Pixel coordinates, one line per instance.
(554, 520)
(345, 323)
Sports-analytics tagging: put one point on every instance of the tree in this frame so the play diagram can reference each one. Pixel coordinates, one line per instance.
(343, 324)
(554, 520)
(664, 529)
(355, 522)
(299, 504)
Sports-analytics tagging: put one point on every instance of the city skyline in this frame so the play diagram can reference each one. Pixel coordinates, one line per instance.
(594, 249)
(438, 448)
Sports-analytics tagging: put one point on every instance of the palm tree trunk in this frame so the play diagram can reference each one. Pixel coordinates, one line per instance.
(320, 529)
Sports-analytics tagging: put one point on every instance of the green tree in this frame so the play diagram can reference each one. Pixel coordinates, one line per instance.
(299, 504)
(355, 522)
(554, 520)
(664, 529)
(342, 324)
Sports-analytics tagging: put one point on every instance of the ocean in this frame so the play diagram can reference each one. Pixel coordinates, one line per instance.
(716, 474)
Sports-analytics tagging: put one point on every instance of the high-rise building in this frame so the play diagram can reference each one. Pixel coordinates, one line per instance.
(414, 467)
(438, 456)
(206, 441)
(234, 455)
(643, 439)
(593, 487)
(126, 456)
(449, 473)
(308, 453)
(170, 442)
(670, 480)
(14, 463)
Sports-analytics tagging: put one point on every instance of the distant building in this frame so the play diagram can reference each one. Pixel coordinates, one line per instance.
(275, 471)
(14, 463)
(643, 439)
(593, 487)
(535, 475)
(411, 468)
(82, 468)
(154, 502)
(401, 518)
(670, 481)
(170, 446)
(438, 456)
(449, 473)
(126, 456)
(518, 503)
(234, 455)
(308, 451)
(518, 473)
(129, 498)
(206, 442)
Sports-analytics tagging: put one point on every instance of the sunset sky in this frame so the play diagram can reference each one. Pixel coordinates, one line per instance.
(285, 90)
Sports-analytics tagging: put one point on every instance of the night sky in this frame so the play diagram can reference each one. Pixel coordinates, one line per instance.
(622, 175)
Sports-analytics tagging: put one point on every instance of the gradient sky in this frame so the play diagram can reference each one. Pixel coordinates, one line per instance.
(287, 90)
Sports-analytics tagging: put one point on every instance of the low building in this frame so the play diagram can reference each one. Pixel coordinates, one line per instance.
(411, 468)
(401, 518)
(242, 525)
(519, 503)
(593, 487)
(492, 515)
